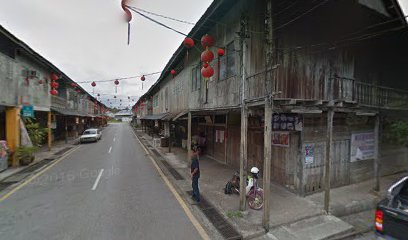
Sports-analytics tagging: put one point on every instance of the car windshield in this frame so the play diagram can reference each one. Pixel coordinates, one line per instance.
(90, 132)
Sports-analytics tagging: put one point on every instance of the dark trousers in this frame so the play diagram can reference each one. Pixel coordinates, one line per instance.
(196, 191)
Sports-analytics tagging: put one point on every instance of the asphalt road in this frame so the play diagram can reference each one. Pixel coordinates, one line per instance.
(128, 201)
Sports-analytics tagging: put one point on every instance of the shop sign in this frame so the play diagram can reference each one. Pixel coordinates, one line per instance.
(287, 122)
(77, 120)
(280, 139)
(362, 146)
(27, 111)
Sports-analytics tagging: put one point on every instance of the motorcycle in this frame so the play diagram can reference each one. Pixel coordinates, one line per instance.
(253, 192)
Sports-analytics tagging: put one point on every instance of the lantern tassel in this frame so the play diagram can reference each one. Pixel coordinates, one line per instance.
(128, 33)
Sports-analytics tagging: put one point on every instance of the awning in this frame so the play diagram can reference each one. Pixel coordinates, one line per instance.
(170, 116)
(66, 112)
(155, 116)
(180, 115)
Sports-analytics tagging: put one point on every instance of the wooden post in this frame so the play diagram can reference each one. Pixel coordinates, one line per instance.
(376, 158)
(243, 161)
(267, 162)
(189, 136)
(49, 131)
(66, 129)
(13, 132)
(269, 88)
(327, 163)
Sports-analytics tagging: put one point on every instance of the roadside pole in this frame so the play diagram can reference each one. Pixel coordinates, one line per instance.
(244, 120)
(327, 163)
(189, 136)
(49, 131)
(269, 94)
(376, 158)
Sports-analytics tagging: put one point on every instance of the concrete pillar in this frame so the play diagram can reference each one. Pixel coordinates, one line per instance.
(243, 161)
(267, 163)
(376, 158)
(13, 131)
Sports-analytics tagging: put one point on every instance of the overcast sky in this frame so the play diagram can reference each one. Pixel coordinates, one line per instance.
(87, 39)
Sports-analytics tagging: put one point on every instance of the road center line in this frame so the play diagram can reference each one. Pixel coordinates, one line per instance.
(97, 180)
(110, 149)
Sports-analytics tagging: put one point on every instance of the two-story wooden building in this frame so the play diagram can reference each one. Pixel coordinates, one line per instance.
(311, 59)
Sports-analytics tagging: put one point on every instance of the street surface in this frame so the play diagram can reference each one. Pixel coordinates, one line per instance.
(104, 190)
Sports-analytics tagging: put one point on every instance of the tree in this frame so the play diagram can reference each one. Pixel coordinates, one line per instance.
(399, 133)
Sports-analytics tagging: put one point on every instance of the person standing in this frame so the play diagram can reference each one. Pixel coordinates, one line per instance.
(195, 174)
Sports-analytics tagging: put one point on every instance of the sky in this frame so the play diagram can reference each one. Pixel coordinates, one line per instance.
(87, 39)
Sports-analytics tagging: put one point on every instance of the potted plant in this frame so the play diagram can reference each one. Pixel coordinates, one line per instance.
(25, 155)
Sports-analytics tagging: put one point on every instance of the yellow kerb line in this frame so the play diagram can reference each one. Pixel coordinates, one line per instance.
(7, 195)
(193, 220)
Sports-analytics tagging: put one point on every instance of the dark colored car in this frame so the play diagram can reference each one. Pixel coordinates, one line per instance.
(391, 216)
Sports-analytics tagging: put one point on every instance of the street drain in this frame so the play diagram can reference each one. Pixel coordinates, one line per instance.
(218, 221)
(4, 185)
(62, 151)
(172, 171)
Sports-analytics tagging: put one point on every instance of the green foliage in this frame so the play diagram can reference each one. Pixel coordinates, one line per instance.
(399, 133)
(25, 155)
(37, 134)
(234, 214)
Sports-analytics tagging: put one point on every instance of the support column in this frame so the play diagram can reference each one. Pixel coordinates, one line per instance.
(66, 129)
(376, 158)
(243, 159)
(189, 136)
(327, 163)
(13, 131)
(267, 162)
(49, 131)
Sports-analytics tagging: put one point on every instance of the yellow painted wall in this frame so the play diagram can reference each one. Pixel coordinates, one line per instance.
(13, 130)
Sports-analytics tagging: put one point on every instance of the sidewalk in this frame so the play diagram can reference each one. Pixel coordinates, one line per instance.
(286, 207)
(58, 148)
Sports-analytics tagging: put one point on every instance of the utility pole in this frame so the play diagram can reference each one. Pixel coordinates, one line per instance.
(49, 131)
(268, 118)
(327, 163)
(376, 159)
(244, 116)
(189, 136)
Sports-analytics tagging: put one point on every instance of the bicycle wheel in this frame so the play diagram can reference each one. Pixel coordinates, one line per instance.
(255, 199)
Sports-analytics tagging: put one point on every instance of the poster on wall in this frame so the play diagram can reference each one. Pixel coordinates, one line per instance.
(287, 122)
(280, 139)
(309, 153)
(362, 146)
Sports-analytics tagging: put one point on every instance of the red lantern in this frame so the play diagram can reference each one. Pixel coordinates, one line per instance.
(53, 92)
(173, 72)
(116, 82)
(143, 78)
(40, 81)
(54, 85)
(188, 42)
(78, 91)
(220, 52)
(74, 85)
(207, 41)
(207, 72)
(93, 84)
(205, 65)
(54, 77)
(207, 56)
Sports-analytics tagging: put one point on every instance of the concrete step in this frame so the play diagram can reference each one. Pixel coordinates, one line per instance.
(321, 227)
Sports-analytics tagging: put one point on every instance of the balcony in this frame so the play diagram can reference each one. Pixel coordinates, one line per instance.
(58, 102)
(337, 89)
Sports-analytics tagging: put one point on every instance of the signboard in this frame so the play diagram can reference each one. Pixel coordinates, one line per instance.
(309, 153)
(280, 139)
(362, 146)
(27, 111)
(287, 122)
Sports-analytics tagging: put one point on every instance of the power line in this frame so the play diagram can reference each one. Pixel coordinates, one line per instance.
(119, 79)
(163, 16)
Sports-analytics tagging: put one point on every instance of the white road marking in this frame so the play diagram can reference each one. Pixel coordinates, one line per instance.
(110, 149)
(114, 139)
(97, 180)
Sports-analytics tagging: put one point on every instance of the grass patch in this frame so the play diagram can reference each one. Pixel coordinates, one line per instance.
(234, 214)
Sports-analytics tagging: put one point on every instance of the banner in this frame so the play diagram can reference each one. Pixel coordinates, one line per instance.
(280, 139)
(362, 146)
(287, 122)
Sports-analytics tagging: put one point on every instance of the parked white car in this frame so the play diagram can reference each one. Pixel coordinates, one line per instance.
(91, 135)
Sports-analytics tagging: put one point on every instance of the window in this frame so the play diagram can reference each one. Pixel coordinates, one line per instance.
(156, 101)
(196, 78)
(227, 62)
